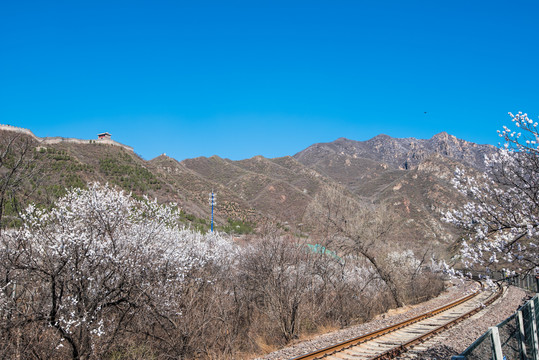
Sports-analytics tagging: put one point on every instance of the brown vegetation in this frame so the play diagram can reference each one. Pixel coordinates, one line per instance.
(274, 288)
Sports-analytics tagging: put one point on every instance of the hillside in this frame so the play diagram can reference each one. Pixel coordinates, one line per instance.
(396, 153)
(279, 188)
(64, 164)
(411, 176)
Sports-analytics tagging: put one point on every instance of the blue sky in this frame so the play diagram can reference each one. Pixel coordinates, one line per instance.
(246, 78)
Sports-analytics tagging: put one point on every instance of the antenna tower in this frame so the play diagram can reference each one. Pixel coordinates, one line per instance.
(213, 203)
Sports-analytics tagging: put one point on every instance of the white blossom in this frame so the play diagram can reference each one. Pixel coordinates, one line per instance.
(503, 212)
(102, 253)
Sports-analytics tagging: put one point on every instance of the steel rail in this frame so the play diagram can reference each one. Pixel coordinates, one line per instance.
(389, 354)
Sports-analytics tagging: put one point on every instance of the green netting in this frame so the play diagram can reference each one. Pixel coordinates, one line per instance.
(481, 349)
(509, 337)
(528, 329)
(536, 309)
(535, 284)
(528, 282)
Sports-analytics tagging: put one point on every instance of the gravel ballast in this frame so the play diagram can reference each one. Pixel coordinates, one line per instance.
(443, 346)
(456, 339)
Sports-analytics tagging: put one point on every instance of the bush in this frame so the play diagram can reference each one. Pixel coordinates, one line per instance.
(97, 269)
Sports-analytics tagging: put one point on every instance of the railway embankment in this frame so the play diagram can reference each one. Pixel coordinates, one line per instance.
(457, 291)
(456, 339)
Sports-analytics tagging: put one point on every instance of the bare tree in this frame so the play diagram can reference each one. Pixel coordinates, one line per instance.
(277, 274)
(360, 229)
(17, 166)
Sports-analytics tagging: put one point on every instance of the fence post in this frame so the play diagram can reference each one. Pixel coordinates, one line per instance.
(522, 335)
(534, 331)
(496, 343)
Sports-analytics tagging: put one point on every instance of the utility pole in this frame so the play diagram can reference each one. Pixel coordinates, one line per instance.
(213, 202)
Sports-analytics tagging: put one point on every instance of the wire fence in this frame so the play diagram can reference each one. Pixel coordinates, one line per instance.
(514, 338)
(528, 282)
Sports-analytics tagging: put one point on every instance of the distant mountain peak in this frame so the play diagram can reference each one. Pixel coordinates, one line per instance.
(163, 156)
(399, 153)
(382, 137)
(444, 136)
(441, 134)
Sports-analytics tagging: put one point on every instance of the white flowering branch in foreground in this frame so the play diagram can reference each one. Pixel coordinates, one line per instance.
(503, 212)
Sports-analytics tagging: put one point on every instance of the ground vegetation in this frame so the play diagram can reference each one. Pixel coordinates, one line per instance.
(104, 275)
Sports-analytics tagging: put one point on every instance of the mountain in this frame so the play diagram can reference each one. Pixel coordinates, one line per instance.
(280, 188)
(397, 153)
(369, 168)
(411, 176)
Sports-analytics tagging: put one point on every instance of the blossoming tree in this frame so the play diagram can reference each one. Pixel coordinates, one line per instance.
(503, 212)
(78, 275)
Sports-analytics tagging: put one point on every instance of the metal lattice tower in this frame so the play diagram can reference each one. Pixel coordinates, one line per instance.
(213, 203)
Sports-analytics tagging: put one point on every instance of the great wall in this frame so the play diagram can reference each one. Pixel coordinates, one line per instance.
(57, 139)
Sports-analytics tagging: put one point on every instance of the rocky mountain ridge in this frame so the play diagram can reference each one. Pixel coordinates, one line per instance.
(400, 153)
(411, 176)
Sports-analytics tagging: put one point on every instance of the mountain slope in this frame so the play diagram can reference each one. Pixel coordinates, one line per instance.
(279, 188)
(411, 176)
(403, 154)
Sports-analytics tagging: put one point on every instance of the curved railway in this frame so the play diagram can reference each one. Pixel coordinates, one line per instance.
(390, 342)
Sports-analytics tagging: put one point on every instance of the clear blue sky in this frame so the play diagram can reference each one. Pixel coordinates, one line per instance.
(245, 78)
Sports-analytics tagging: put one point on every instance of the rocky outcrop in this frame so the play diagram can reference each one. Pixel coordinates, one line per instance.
(399, 153)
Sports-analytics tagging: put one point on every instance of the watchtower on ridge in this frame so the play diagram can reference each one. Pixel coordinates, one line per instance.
(104, 135)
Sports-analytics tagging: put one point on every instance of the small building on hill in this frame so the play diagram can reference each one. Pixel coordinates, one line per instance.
(104, 135)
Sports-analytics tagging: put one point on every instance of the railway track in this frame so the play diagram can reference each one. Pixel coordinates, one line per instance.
(390, 342)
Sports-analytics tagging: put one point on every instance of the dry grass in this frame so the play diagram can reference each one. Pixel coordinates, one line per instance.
(264, 346)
